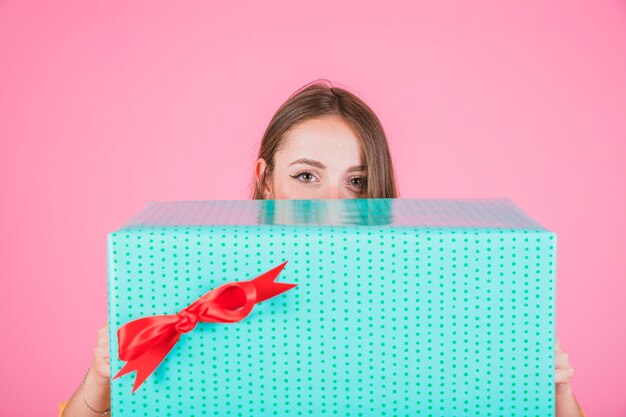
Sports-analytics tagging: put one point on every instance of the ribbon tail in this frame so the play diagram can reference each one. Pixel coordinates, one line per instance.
(148, 362)
(267, 288)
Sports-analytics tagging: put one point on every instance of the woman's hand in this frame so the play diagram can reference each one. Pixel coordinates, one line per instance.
(99, 371)
(563, 371)
(96, 385)
(565, 402)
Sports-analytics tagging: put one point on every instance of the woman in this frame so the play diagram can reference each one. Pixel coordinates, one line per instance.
(323, 142)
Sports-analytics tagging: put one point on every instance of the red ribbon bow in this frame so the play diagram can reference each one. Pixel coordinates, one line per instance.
(145, 342)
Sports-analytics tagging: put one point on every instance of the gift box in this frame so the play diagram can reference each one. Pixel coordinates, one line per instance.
(355, 307)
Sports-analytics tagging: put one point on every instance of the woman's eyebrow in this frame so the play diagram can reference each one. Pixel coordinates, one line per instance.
(356, 168)
(308, 162)
(319, 165)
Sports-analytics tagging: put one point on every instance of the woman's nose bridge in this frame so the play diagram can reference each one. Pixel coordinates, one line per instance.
(334, 189)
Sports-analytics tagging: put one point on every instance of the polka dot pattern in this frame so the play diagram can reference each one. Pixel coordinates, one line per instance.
(387, 319)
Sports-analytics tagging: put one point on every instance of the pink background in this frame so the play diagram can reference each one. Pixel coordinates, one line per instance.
(105, 106)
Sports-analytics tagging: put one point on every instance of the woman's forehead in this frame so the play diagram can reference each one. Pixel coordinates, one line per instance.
(327, 140)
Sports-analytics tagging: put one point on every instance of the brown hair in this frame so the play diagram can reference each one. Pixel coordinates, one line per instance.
(320, 98)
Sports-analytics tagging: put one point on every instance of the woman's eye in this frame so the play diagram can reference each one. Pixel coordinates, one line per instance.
(304, 176)
(358, 181)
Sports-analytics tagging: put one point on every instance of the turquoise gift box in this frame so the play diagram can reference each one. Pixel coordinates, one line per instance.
(401, 307)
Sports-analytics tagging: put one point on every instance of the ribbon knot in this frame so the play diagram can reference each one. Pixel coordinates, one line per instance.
(144, 343)
(186, 322)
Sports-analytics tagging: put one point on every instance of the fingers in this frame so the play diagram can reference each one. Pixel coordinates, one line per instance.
(102, 352)
(102, 360)
(99, 359)
(103, 336)
(562, 376)
(103, 332)
(561, 360)
(100, 373)
(563, 372)
(103, 369)
(101, 363)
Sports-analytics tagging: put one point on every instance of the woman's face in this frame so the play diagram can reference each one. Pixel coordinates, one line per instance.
(321, 158)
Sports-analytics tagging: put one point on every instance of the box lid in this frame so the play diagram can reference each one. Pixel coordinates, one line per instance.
(418, 212)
